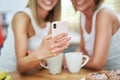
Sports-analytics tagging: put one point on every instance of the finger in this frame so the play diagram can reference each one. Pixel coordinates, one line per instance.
(60, 49)
(58, 39)
(65, 46)
(60, 36)
(62, 42)
(47, 37)
(67, 37)
(57, 51)
(50, 55)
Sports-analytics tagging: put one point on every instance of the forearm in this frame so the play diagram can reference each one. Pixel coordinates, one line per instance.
(28, 63)
(95, 64)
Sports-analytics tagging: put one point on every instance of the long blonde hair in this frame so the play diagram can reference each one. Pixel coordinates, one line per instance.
(53, 15)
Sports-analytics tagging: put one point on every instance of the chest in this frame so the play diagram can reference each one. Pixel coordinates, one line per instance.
(88, 25)
(35, 36)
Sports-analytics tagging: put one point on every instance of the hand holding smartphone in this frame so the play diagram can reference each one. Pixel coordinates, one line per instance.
(59, 27)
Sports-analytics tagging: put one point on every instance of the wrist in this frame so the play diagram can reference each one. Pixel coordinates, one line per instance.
(38, 55)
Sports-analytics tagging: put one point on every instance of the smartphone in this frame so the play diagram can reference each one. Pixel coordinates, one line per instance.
(59, 27)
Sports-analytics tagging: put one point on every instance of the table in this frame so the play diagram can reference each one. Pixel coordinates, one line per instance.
(45, 75)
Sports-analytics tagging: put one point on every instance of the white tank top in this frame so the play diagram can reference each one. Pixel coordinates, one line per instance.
(8, 56)
(114, 50)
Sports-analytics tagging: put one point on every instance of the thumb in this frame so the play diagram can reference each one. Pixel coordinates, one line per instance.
(48, 37)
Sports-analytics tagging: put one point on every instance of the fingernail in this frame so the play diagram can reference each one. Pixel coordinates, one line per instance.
(53, 51)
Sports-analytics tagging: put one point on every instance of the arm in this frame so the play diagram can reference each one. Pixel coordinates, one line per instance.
(103, 33)
(20, 24)
(47, 48)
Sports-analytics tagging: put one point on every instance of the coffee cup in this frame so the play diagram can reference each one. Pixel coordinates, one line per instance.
(54, 64)
(74, 61)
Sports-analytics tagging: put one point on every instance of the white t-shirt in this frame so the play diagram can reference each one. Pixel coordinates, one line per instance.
(8, 55)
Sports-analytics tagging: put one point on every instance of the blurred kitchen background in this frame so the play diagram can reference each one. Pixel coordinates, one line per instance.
(9, 7)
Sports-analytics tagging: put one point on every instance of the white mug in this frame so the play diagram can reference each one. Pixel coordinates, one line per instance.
(54, 64)
(74, 61)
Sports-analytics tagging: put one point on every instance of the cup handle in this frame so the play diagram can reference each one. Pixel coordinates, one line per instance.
(44, 65)
(86, 60)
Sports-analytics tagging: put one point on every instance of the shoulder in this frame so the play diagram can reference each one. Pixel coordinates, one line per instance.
(20, 16)
(105, 13)
(20, 21)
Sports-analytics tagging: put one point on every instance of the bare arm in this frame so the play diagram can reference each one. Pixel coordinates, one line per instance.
(103, 33)
(20, 24)
(28, 60)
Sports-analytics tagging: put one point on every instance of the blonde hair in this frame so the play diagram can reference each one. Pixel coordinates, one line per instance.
(53, 15)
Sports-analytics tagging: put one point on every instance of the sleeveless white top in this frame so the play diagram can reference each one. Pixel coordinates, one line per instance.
(114, 50)
(8, 55)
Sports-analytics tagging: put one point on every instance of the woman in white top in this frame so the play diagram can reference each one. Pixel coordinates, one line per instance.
(27, 37)
(100, 34)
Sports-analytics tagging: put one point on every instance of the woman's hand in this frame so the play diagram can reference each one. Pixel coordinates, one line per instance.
(53, 46)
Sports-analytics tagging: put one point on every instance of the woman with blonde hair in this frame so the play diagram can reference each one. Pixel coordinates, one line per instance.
(100, 34)
(28, 37)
